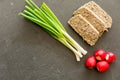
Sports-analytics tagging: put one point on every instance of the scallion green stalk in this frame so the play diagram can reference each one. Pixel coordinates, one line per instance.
(44, 17)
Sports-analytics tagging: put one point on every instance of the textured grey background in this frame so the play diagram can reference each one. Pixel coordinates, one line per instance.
(29, 53)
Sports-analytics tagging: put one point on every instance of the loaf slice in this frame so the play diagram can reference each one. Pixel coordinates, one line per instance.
(84, 29)
(100, 13)
(92, 18)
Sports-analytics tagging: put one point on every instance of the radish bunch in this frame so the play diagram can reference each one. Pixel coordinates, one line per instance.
(101, 60)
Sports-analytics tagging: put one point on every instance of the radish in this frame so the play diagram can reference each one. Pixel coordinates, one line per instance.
(100, 54)
(110, 57)
(90, 62)
(102, 66)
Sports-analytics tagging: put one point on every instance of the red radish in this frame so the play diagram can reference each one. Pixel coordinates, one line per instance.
(90, 62)
(102, 66)
(110, 57)
(100, 54)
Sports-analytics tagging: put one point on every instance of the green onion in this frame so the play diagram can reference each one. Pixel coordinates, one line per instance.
(45, 18)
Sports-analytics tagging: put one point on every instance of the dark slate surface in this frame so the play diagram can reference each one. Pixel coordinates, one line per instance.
(29, 53)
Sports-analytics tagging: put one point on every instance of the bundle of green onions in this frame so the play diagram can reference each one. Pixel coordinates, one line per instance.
(45, 18)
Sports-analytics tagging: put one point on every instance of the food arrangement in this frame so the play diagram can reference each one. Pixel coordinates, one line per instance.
(101, 60)
(90, 21)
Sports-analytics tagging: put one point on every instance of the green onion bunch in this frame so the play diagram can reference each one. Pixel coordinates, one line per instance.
(45, 18)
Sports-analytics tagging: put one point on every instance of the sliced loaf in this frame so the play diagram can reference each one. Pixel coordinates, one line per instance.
(90, 21)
